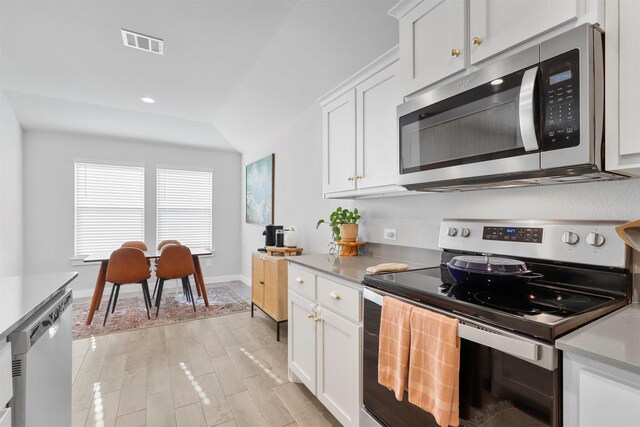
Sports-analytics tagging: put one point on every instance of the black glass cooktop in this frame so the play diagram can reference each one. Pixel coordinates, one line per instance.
(542, 309)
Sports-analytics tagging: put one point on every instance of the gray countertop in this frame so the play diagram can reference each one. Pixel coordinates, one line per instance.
(614, 339)
(22, 296)
(351, 268)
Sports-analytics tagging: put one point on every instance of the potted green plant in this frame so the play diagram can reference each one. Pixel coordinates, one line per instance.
(343, 223)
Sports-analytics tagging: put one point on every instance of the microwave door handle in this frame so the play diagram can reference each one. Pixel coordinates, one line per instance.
(525, 110)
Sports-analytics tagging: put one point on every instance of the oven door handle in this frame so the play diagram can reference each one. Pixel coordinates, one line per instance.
(525, 110)
(479, 333)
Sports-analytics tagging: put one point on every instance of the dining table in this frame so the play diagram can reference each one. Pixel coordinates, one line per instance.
(103, 259)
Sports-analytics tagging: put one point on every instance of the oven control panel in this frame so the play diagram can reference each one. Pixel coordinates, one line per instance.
(580, 242)
(560, 102)
(513, 234)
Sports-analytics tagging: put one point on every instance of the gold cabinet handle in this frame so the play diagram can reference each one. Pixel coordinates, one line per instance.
(318, 319)
(455, 52)
(477, 41)
(310, 316)
(351, 178)
(357, 177)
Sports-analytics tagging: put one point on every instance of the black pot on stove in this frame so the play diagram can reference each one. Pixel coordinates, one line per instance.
(487, 271)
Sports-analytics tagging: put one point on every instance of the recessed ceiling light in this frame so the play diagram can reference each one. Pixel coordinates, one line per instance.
(148, 100)
(497, 82)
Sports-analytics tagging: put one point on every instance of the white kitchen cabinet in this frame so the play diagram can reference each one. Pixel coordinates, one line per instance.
(302, 339)
(325, 335)
(597, 394)
(360, 132)
(622, 87)
(432, 32)
(6, 380)
(432, 43)
(339, 141)
(338, 366)
(496, 25)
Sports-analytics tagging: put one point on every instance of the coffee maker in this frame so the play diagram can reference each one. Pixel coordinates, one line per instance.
(269, 234)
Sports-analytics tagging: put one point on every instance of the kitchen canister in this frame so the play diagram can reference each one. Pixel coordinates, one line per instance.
(291, 237)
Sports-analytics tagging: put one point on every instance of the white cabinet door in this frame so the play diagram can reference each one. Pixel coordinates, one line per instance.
(622, 101)
(339, 143)
(302, 339)
(376, 101)
(607, 401)
(496, 25)
(431, 35)
(339, 367)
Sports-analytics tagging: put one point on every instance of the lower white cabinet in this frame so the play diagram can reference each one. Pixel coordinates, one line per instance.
(325, 346)
(597, 394)
(6, 381)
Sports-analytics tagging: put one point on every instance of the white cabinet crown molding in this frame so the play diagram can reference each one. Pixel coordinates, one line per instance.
(386, 59)
(403, 7)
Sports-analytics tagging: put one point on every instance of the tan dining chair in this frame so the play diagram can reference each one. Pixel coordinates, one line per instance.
(135, 244)
(127, 265)
(175, 262)
(161, 245)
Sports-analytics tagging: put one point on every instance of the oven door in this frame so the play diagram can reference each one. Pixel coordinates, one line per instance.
(486, 123)
(505, 379)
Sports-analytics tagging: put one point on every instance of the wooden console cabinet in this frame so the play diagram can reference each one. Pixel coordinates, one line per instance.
(269, 287)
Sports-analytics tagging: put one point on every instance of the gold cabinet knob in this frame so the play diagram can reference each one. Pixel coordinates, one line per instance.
(477, 41)
(334, 295)
(351, 178)
(357, 177)
(310, 316)
(318, 319)
(455, 52)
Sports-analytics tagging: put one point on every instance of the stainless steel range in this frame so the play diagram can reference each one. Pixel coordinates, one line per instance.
(510, 370)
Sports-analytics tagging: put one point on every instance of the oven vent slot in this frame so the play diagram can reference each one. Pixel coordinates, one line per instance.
(16, 368)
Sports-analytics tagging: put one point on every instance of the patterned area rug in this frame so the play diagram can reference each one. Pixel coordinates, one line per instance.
(131, 314)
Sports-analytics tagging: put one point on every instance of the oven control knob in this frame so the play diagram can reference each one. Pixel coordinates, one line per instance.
(465, 232)
(595, 239)
(452, 231)
(570, 238)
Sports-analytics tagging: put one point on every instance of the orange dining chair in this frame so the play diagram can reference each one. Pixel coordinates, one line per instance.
(127, 265)
(161, 245)
(175, 262)
(135, 244)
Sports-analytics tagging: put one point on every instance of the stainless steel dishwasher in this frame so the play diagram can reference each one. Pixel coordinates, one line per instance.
(41, 366)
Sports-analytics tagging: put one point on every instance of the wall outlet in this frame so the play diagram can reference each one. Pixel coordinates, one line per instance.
(390, 233)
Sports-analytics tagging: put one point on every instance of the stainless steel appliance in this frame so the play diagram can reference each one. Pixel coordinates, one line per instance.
(510, 368)
(41, 366)
(533, 118)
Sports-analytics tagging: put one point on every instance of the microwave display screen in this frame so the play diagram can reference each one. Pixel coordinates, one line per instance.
(558, 78)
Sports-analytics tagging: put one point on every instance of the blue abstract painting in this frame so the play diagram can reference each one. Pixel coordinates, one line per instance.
(259, 178)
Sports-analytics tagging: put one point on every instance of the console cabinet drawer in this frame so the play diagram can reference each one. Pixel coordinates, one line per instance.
(340, 298)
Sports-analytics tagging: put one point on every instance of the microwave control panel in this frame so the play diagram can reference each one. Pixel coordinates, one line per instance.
(560, 101)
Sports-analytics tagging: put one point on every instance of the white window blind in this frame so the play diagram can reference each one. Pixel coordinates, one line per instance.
(185, 207)
(109, 206)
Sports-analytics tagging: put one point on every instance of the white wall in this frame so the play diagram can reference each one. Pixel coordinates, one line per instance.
(297, 188)
(298, 198)
(49, 197)
(11, 196)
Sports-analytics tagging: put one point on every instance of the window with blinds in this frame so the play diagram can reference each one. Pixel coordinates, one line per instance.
(185, 207)
(109, 208)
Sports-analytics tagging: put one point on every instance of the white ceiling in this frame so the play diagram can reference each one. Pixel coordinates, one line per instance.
(233, 71)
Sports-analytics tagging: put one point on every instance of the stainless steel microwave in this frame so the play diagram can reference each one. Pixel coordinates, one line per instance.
(534, 118)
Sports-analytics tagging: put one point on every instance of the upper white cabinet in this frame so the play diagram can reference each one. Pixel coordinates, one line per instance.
(339, 129)
(432, 43)
(441, 38)
(622, 86)
(496, 25)
(360, 132)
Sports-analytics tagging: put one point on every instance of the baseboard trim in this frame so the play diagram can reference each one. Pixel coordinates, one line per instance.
(86, 293)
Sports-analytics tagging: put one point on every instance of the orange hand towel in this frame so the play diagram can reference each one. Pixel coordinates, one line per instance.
(393, 351)
(435, 365)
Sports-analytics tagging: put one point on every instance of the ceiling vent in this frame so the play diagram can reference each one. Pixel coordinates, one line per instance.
(142, 42)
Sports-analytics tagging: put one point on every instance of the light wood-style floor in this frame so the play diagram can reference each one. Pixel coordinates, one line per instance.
(222, 371)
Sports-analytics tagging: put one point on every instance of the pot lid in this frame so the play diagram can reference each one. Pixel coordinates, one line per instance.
(488, 264)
